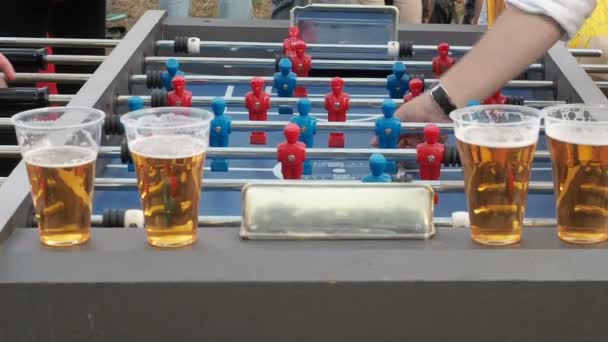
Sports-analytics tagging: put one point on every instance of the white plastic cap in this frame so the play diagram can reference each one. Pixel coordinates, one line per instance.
(134, 218)
(460, 219)
(194, 45)
(393, 49)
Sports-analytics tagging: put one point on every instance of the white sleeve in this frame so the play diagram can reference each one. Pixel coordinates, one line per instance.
(569, 14)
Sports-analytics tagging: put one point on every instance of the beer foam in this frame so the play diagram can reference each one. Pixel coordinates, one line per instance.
(579, 135)
(498, 137)
(167, 146)
(59, 156)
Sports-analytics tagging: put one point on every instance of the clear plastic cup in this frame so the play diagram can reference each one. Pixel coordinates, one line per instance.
(59, 146)
(496, 146)
(168, 147)
(577, 138)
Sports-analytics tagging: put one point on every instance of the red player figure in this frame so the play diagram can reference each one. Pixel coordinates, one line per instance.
(258, 104)
(301, 65)
(430, 154)
(337, 104)
(443, 62)
(289, 43)
(416, 88)
(292, 153)
(496, 99)
(179, 96)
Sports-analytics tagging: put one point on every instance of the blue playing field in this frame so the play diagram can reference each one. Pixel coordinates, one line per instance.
(228, 202)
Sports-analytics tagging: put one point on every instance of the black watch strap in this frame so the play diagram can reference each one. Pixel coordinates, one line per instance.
(442, 99)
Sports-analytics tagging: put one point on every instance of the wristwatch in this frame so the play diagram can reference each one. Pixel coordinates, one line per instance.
(441, 97)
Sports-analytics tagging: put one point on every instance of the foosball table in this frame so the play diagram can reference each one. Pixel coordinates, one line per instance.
(233, 284)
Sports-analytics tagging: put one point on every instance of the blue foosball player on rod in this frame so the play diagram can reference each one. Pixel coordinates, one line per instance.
(398, 82)
(388, 129)
(172, 70)
(221, 127)
(285, 83)
(377, 164)
(308, 128)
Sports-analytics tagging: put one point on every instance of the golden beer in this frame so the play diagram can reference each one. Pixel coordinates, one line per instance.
(496, 185)
(169, 173)
(580, 176)
(62, 180)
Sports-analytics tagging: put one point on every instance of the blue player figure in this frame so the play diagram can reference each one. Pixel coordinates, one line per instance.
(135, 103)
(221, 127)
(377, 164)
(308, 128)
(166, 76)
(398, 82)
(285, 83)
(388, 130)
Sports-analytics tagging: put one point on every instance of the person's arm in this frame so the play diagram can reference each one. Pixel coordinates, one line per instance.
(7, 68)
(515, 41)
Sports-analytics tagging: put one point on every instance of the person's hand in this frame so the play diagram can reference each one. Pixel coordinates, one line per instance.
(7, 68)
(421, 109)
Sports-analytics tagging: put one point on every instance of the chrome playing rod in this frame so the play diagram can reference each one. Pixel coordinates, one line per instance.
(75, 59)
(271, 152)
(235, 45)
(316, 63)
(595, 68)
(309, 81)
(59, 42)
(292, 101)
(237, 184)
(278, 47)
(236, 221)
(48, 77)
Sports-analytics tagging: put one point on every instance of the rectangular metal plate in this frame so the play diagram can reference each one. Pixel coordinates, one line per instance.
(330, 210)
(346, 24)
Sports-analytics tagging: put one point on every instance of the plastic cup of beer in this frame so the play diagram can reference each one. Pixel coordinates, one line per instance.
(168, 148)
(59, 146)
(496, 144)
(577, 138)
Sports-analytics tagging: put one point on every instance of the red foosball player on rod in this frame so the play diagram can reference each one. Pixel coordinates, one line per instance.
(258, 104)
(337, 104)
(496, 99)
(292, 153)
(179, 96)
(416, 88)
(289, 43)
(301, 65)
(443, 62)
(430, 154)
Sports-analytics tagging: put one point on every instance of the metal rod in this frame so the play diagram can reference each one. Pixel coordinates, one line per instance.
(310, 81)
(237, 184)
(602, 84)
(278, 47)
(24, 77)
(271, 153)
(317, 63)
(322, 126)
(292, 101)
(236, 221)
(75, 59)
(59, 42)
(595, 68)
